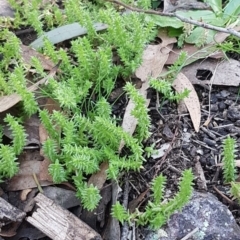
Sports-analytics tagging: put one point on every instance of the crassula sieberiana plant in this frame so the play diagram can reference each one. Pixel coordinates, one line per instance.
(84, 133)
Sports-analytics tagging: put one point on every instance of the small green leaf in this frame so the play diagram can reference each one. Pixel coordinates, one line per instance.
(200, 36)
(232, 9)
(216, 5)
(174, 32)
(203, 16)
(163, 21)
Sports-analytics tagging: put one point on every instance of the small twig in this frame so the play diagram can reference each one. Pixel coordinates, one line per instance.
(208, 132)
(37, 183)
(174, 169)
(224, 126)
(31, 147)
(190, 234)
(204, 145)
(126, 192)
(223, 196)
(24, 31)
(210, 90)
(183, 19)
(125, 227)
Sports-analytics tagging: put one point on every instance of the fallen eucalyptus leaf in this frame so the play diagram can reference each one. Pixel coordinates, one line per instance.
(154, 58)
(192, 101)
(28, 53)
(227, 74)
(195, 53)
(7, 102)
(65, 32)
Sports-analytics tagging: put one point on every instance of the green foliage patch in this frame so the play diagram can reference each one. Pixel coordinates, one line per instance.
(85, 133)
(157, 212)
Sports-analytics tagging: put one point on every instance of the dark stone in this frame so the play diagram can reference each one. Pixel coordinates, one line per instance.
(5, 9)
(237, 123)
(212, 219)
(234, 113)
(213, 99)
(221, 106)
(209, 142)
(228, 102)
(214, 107)
(225, 93)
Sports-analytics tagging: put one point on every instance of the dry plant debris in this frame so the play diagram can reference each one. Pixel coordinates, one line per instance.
(166, 130)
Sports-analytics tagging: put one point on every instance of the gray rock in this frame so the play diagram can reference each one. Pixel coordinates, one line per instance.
(233, 113)
(204, 213)
(5, 9)
(65, 198)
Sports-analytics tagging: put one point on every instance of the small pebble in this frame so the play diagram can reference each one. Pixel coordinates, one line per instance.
(203, 161)
(214, 107)
(237, 123)
(222, 106)
(209, 142)
(5, 9)
(228, 102)
(234, 113)
(225, 93)
(213, 99)
(211, 162)
(200, 151)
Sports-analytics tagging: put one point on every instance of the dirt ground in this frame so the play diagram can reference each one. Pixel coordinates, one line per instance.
(186, 148)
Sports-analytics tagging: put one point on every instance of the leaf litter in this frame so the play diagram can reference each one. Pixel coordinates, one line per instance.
(7, 102)
(227, 74)
(192, 101)
(156, 56)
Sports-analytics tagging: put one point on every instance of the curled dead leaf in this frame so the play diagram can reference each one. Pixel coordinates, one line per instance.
(192, 101)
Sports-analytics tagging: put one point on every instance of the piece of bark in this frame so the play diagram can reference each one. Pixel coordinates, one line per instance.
(9, 213)
(199, 173)
(58, 223)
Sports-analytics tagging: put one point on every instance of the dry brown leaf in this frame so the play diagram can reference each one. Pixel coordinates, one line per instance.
(7, 102)
(192, 101)
(154, 58)
(174, 5)
(28, 163)
(227, 74)
(24, 178)
(24, 194)
(136, 201)
(99, 178)
(196, 53)
(31, 126)
(43, 134)
(112, 230)
(28, 53)
(221, 36)
(50, 105)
